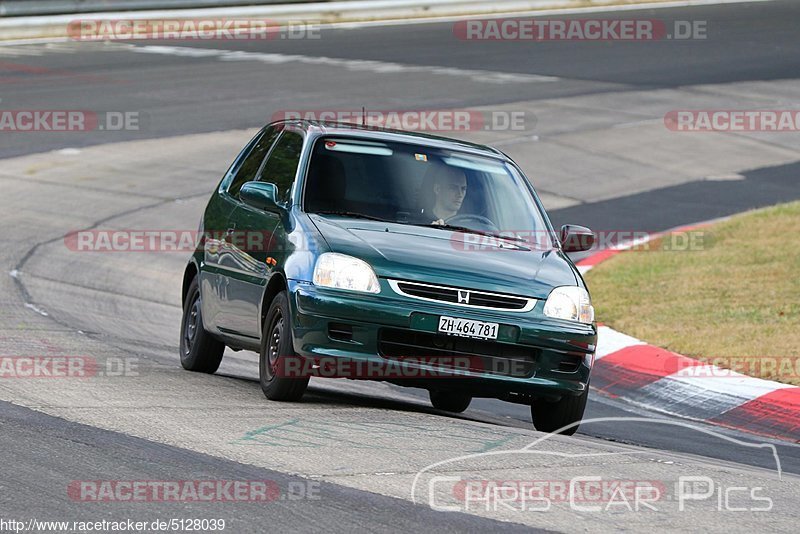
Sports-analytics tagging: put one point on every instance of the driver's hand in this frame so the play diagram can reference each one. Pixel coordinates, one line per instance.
(438, 222)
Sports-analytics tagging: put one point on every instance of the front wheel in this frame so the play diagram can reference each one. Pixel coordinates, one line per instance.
(199, 350)
(276, 347)
(553, 416)
(450, 401)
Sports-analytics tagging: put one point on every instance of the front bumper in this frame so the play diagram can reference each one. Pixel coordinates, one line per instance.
(558, 355)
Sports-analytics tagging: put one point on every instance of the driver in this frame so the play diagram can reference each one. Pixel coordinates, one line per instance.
(449, 191)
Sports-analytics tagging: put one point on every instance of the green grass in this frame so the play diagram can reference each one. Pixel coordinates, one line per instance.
(733, 296)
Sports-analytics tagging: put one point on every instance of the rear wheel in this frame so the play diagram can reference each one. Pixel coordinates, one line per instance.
(450, 401)
(200, 351)
(276, 345)
(553, 416)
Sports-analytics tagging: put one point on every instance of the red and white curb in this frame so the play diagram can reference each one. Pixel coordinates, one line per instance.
(661, 380)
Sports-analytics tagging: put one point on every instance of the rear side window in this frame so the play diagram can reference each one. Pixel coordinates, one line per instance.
(252, 162)
(281, 167)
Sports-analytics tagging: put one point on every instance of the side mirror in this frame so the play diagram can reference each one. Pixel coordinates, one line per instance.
(576, 238)
(260, 195)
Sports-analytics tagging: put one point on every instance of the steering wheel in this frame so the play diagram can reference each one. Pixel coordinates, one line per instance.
(464, 219)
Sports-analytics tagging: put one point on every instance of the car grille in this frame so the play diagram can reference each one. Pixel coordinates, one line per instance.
(463, 297)
(488, 357)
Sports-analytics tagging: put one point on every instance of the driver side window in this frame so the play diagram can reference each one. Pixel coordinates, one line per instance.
(281, 166)
(252, 162)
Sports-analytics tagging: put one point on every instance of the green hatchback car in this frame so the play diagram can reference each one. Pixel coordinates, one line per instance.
(336, 250)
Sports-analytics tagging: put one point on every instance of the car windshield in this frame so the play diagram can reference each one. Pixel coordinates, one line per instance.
(420, 185)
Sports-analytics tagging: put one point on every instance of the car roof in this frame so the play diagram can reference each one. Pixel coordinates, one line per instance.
(374, 133)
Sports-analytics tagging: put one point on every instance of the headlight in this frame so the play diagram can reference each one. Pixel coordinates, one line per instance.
(571, 303)
(345, 272)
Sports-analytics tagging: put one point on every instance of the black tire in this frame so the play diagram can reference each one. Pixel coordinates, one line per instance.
(450, 401)
(276, 343)
(552, 416)
(200, 351)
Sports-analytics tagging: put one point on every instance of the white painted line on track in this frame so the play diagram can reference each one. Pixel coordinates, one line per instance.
(377, 67)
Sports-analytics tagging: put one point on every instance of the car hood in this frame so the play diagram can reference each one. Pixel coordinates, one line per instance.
(438, 256)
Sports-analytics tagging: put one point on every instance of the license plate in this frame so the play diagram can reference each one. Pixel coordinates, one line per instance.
(467, 328)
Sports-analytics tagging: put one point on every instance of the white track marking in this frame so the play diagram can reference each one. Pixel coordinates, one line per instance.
(610, 341)
(40, 48)
(726, 381)
(377, 67)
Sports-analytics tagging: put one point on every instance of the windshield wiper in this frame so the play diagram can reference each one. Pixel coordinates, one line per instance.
(474, 231)
(351, 214)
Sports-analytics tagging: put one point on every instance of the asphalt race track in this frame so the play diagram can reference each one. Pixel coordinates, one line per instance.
(594, 143)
